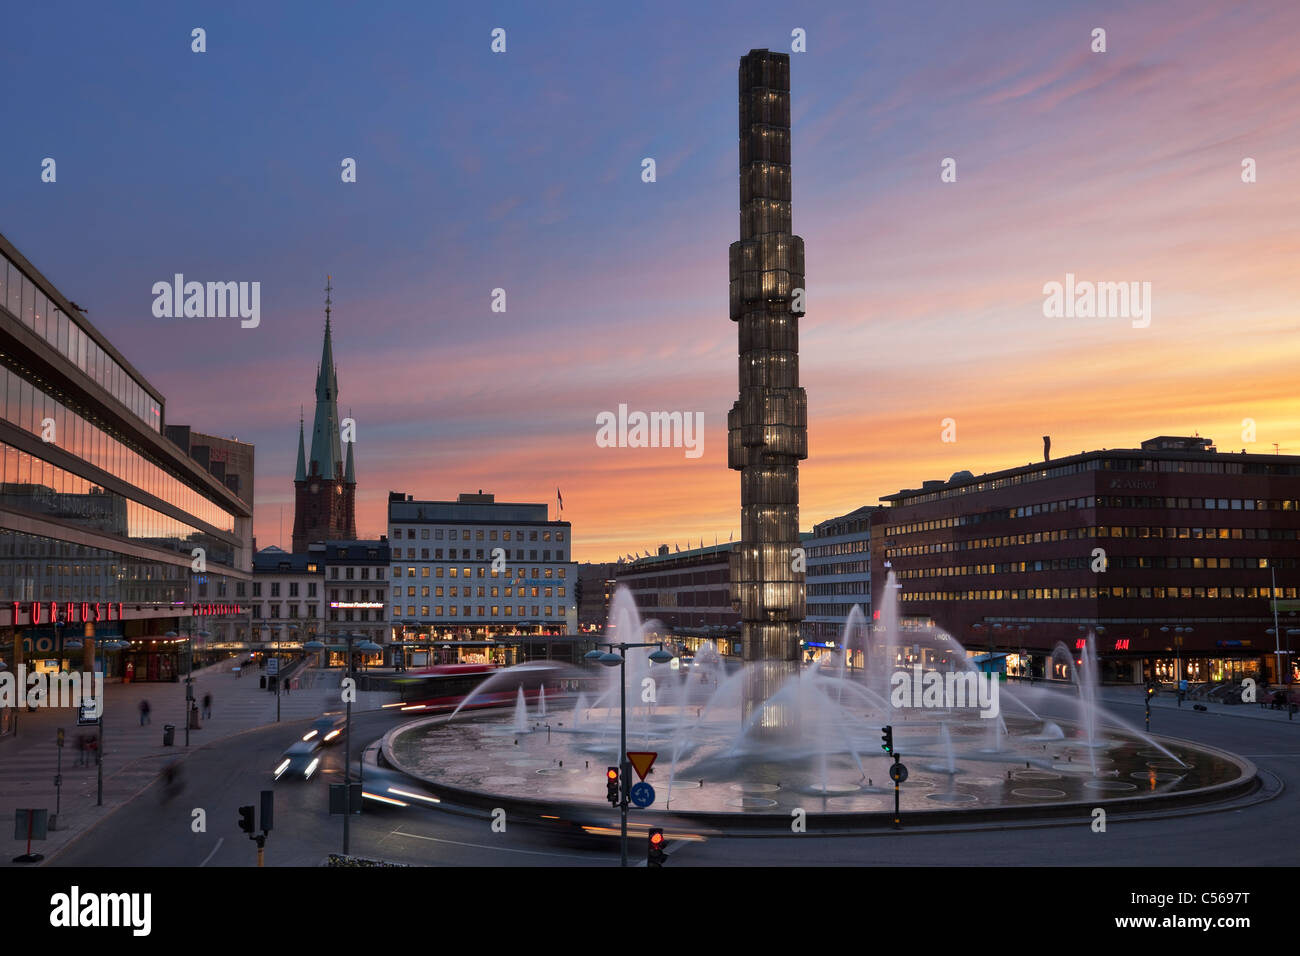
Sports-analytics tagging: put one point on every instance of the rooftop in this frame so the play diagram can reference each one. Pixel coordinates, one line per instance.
(1167, 449)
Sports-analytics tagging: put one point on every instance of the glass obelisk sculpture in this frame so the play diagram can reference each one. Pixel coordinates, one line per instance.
(767, 428)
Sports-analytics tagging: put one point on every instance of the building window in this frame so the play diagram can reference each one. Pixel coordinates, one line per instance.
(275, 589)
(257, 589)
(311, 588)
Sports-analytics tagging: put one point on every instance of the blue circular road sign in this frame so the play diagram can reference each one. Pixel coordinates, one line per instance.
(642, 794)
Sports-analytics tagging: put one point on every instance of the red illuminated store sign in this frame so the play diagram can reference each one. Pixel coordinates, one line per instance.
(84, 612)
(68, 613)
(199, 610)
(1120, 645)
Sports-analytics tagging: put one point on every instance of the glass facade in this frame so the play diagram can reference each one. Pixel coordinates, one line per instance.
(33, 485)
(28, 404)
(37, 568)
(30, 305)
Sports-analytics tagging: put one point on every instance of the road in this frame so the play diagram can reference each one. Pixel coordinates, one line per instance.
(152, 831)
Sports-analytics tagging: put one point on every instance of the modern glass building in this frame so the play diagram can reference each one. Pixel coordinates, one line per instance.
(100, 511)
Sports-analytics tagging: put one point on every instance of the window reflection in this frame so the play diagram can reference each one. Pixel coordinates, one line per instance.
(36, 486)
(107, 453)
(30, 306)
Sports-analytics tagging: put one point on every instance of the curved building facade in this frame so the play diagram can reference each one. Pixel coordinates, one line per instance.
(100, 510)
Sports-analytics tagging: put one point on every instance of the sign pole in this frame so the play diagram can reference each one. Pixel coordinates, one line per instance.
(99, 760)
(623, 761)
(897, 823)
(58, 782)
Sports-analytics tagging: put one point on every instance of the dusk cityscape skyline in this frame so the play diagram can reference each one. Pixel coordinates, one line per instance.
(927, 296)
(685, 436)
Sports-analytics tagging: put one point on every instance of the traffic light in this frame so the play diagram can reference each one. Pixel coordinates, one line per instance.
(887, 739)
(613, 792)
(246, 819)
(655, 850)
(1151, 691)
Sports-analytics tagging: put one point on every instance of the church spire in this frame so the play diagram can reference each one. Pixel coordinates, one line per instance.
(301, 473)
(326, 448)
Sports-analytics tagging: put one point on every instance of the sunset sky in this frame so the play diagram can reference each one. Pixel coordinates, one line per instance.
(522, 171)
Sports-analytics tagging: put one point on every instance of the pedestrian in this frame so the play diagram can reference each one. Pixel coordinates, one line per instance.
(144, 712)
(207, 706)
(83, 750)
(287, 683)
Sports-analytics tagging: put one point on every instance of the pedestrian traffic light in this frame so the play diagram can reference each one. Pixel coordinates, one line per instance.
(887, 739)
(613, 793)
(655, 850)
(246, 819)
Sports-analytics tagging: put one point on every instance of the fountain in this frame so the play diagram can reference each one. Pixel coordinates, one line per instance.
(521, 712)
(759, 735)
(715, 756)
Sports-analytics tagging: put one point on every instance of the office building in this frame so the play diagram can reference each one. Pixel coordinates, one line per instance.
(475, 569)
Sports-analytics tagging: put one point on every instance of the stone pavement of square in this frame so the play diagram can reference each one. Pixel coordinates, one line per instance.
(134, 754)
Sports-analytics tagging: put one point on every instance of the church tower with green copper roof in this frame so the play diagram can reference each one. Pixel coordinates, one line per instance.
(325, 485)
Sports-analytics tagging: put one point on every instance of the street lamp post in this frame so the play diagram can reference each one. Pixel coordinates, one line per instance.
(1178, 658)
(369, 647)
(619, 660)
(1277, 628)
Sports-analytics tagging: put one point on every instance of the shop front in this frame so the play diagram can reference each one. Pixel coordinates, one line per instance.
(155, 660)
(1209, 669)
